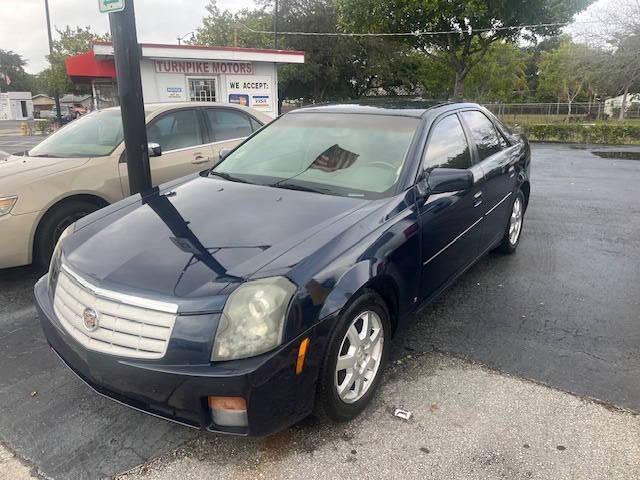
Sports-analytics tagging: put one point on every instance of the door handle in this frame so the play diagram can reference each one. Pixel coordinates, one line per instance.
(200, 159)
(477, 199)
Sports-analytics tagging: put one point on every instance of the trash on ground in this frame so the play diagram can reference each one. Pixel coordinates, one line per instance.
(403, 414)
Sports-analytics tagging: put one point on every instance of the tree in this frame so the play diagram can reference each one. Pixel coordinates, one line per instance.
(335, 68)
(564, 72)
(12, 75)
(71, 42)
(615, 26)
(501, 76)
(224, 28)
(626, 64)
(476, 24)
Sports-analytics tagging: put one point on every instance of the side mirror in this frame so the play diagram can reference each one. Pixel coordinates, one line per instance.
(154, 149)
(446, 180)
(224, 153)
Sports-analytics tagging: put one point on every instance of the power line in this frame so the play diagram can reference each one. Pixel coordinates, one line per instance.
(419, 33)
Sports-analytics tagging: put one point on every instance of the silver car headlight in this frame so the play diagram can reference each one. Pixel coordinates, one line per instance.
(56, 259)
(7, 203)
(253, 318)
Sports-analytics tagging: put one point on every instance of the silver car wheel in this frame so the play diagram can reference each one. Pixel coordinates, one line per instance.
(359, 357)
(515, 223)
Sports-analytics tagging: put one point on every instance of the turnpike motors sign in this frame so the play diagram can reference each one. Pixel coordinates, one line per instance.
(203, 68)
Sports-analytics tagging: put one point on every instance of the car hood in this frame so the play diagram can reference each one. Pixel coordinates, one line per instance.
(15, 169)
(196, 238)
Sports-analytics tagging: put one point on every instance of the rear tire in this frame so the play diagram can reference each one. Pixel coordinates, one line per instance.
(344, 393)
(515, 222)
(53, 224)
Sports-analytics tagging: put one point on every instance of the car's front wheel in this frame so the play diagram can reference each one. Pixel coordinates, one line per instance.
(54, 223)
(355, 358)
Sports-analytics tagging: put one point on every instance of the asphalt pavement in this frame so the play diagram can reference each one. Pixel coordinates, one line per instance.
(563, 311)
(18, 143)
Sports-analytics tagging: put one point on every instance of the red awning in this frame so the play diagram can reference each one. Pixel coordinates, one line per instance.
(86, 66)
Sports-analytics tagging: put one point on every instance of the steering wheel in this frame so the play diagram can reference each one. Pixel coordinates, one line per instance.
(380, 163)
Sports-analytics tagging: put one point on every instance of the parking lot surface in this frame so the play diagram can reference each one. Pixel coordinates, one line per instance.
(562, 311)
(18, 143)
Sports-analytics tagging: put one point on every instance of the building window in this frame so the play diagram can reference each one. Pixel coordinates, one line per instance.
(202, 89)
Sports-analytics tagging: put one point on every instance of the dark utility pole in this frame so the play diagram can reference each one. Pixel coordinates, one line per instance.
(127, 56)
(56, 94)
(275, 26)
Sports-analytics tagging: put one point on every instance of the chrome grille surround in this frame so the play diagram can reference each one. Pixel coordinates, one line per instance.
(128, 326)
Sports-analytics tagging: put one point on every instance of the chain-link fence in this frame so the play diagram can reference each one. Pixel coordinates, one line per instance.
(545, 113)
(535, 113)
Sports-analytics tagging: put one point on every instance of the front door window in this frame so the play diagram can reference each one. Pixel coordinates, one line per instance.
(202, 89)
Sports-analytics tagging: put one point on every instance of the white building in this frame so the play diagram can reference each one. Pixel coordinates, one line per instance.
(174, 73)
(16, 106)
(614, 104)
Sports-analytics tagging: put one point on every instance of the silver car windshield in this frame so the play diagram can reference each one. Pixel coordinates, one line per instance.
(94, 135)
(358, 155)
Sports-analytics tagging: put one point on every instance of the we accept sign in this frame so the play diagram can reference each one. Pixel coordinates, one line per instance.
(254, 91)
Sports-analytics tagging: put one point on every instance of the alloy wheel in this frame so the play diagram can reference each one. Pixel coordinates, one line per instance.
(515, 223)
(359, 357)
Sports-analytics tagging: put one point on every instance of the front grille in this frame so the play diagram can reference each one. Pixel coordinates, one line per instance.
(128, 326)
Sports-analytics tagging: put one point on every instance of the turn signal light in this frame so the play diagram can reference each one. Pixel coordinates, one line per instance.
(229, 411)
(302, 353)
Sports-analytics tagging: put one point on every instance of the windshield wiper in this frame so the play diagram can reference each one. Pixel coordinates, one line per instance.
(293, 186)
(228, 177)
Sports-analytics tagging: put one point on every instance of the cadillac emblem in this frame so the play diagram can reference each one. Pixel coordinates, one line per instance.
(90, 319)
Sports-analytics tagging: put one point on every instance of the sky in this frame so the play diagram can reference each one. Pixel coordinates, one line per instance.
(23, 23)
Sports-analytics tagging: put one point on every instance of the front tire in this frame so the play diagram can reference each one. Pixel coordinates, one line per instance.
(513, 230)
(52, 226)
(356, 355)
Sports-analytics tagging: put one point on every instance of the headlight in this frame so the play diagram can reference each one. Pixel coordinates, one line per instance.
(56, 259)
(252, 321)
(6, 204)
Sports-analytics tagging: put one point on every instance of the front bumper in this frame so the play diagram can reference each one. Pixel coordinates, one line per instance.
(276, 397)
(16, 239)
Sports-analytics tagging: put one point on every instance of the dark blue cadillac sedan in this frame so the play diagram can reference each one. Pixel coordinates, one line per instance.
(239, 299)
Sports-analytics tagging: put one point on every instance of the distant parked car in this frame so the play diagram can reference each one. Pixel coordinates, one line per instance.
(77, 110)
(82, 167)
(66, 114)
(238, 299)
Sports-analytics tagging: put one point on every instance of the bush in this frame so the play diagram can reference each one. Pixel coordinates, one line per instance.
(599, 133)
(43, 126)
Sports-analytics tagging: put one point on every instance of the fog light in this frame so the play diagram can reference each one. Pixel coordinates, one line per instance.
(229, 411)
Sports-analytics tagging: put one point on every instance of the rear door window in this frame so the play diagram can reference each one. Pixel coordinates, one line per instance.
(227, 124)
(175, 130)
(448, 146)
(484, 134)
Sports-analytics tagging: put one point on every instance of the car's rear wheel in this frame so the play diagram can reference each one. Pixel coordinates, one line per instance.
(513, 230)
(54, 223)
(355, 358)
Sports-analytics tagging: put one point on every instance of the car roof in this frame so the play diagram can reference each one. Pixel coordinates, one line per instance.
(157, 107)
(407, 107)
(153, 109)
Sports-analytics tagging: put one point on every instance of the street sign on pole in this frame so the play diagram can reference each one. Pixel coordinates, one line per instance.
(110, 6)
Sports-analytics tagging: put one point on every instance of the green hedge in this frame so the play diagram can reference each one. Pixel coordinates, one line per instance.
(604, 133)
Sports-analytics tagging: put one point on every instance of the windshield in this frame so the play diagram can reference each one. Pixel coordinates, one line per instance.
(340, 154)
(94, 135)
